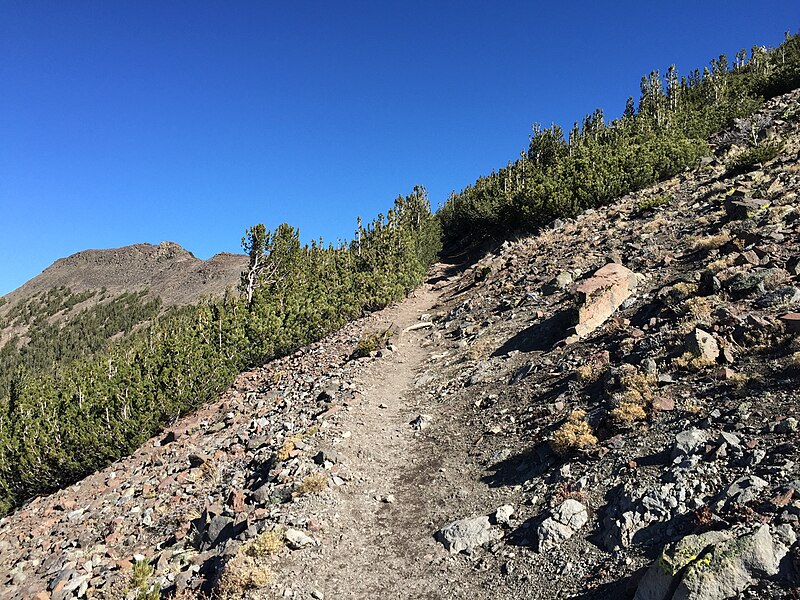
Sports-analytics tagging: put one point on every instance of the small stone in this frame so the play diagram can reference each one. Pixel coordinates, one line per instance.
(296, 539)
(421, 422)
(503, 514)
(703, 345)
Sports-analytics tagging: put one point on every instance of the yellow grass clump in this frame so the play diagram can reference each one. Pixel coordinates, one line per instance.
(575, 434)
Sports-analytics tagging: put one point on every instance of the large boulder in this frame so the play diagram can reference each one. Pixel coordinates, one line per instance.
(715, 565)
(602, 294)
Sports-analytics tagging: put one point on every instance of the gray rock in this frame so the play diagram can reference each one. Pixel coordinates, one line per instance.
(714, 565)
(641, 516)
(296, 539)
(503, 514)
(688, 442)
(757, 280)
(566, 519)
(467, 534)
(421, 422)
(783, 297)
(561, 282)
(744, 209)
(787, 425)
(745, 489)
(218, 530)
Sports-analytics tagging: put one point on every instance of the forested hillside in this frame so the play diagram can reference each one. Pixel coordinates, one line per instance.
(561, 175)
(72, 401)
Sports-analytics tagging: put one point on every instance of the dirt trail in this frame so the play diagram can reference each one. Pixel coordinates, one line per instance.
(379, 544)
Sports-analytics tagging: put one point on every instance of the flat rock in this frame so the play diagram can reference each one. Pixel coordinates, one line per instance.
(792, 322)
(296, 539)
(702, 344)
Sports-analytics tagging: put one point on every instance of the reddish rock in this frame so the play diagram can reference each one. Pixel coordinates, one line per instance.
(66, 504)
(664, 403)
(123, 564)
(236, 501)
(602, 294)
(792, 322)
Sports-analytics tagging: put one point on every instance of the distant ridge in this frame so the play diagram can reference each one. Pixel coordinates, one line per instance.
(166, 270)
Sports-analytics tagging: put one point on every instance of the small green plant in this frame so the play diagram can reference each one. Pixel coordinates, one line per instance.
(371, 341)
(654, 202)
(747, 159)
(140, 582)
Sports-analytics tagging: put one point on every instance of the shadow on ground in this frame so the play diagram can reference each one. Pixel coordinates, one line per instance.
(522, 467)
(542, 336)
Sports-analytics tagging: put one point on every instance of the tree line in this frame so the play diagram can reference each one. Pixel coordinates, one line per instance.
(597, 161)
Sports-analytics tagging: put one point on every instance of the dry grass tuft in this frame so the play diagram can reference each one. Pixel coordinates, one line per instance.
(719, 265)
(285, 451)
(265, 544)
(692, 362)
(590, 372)
(710, 242)
(628, 413)
(313, 484)
(247, 569)
(575, 434)
(242, 573)
(698, 308)
(637, 397)
(639, 383)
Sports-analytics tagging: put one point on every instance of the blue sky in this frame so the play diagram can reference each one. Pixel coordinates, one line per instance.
(138, 121)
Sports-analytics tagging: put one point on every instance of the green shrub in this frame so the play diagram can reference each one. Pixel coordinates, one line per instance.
(748, 159)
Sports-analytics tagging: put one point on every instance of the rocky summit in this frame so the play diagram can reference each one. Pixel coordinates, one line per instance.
(609, 409)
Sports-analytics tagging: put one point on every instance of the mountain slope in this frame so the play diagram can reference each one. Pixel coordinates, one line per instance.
(575, 459)
(165, 270)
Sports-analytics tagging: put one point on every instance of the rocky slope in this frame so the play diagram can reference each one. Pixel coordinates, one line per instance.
(607, 410)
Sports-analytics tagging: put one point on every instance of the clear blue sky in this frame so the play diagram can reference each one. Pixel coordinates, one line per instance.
(139, 121)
